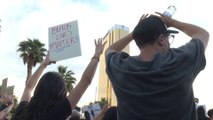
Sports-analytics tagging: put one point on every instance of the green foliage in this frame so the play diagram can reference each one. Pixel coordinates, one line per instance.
(101, 103)
(67, 76)
(31, 52)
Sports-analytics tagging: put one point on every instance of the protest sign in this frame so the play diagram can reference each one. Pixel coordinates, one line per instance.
(9, 90)
(64, 41)
(96, 109)
(93, 109)
(3, 86)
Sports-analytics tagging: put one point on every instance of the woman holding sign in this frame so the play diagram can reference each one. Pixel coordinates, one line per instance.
(49, 101)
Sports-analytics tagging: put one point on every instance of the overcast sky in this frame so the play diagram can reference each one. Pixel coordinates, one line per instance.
(22, 19)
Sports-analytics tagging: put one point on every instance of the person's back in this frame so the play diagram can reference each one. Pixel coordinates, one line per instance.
(156, 84)
(152, 88)
(50, 100)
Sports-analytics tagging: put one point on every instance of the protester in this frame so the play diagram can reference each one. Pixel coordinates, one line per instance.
(107, 113)
(87, 115)
(201, 110)
(101, 115)
(157, 84)
(201, 113)
(49, 101)
(75, 115)
(6, 106)
(210, 114)
(111, 113)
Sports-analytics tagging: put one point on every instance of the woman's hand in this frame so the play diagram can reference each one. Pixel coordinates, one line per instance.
(47, 60)
(99, 47)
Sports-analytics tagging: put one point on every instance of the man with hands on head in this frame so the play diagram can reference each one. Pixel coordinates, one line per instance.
(157, 83)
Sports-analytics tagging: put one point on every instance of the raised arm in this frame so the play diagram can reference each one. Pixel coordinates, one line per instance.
(5, 111)
(119, 45)
(123, 42)
(88, 74)
(191, 30)
(30, 85)
(101, 115)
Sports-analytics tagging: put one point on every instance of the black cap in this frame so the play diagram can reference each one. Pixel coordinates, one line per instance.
(149, 30)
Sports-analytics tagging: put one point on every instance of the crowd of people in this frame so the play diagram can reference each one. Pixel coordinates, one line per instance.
(202, 113)
(154, 85)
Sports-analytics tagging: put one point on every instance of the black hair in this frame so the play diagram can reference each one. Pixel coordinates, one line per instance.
(148, 30)
(50, 89)
(87, 115)
(139, 38)
(210, 113)
(201, 113)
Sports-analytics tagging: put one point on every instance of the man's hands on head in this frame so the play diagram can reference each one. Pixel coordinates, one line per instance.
(167, 20)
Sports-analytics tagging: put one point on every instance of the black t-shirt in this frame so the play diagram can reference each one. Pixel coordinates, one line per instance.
(160, 89)
(60, 111)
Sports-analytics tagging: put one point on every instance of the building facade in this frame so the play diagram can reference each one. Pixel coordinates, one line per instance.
(105, 90)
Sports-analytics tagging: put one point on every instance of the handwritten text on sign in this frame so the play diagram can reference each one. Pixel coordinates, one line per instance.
(64, 41)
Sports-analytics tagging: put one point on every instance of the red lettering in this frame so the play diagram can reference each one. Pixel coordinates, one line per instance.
(62, 43)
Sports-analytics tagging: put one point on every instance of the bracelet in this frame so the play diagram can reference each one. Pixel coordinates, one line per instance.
(95, 58)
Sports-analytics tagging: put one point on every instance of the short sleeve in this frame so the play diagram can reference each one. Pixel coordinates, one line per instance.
(195, 52)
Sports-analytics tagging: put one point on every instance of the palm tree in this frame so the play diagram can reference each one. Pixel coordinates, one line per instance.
(67, 76)
(32, 52)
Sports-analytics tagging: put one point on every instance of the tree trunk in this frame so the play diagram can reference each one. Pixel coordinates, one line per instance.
(29, 69)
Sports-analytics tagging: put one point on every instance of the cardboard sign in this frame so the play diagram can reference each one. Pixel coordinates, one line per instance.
(93, 110)
(10, 90)
(96, 109)
(4, 86)
(64, 41)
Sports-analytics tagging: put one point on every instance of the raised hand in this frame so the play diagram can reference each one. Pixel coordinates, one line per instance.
(167, 20)
(99, 46)
(47, 60)
(143, 17)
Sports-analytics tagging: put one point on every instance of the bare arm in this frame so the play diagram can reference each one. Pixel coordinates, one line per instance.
(5, 111)
(87, 76)
(26, 96)
(8, 108)
(191, 30)
(119, 45)
(123, 42)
